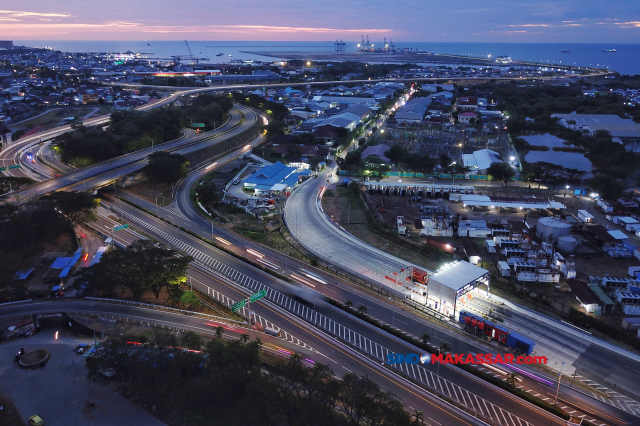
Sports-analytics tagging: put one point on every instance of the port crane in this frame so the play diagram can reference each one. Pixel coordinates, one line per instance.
(190, 57)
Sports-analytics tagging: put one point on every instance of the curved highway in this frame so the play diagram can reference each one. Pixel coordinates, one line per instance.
(308, 224)
(378, 308)
(11, 152)
(104, 173)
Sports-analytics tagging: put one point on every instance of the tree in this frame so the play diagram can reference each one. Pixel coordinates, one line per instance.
(348, 303)
(395, 153)
(165, 338)
(501, 172)
(418, 417)
(207, 193)
(426, 338)
(377, 167)
(219, 331)
(77, 207)
(573, 175)
(352, 161)
(166, 167)
(142, 266)
(244, 338)
(512, 378)
(543, 170)
(607, 186)
(191, 340)
(444, 347)
(362, 309)
(190, 299)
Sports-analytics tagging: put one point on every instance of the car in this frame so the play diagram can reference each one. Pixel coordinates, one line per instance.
(36, 420)
(236, 182)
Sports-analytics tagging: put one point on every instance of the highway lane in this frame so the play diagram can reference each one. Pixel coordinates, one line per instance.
(341, 358)
(9, 153)
(344, 359)
(333, 244)
(48, 156)
(229, 266)
(107, 171)
(386, 311)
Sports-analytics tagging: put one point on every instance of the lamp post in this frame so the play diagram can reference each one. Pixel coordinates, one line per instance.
(567, 190)
(453, 173)
(559, 378)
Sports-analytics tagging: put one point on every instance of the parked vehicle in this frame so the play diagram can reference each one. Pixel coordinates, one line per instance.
(272, 331)
(36, 420)
(497, 332)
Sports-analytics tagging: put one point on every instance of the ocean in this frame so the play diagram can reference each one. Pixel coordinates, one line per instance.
(625, 61)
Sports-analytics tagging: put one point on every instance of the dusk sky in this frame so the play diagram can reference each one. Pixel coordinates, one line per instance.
(590, 21)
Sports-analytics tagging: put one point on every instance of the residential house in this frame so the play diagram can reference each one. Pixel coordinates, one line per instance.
(466, 117)
(377, 151)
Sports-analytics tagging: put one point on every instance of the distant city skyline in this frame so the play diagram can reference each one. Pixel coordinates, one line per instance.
(591, 21)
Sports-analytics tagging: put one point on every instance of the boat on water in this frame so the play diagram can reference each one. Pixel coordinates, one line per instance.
(565, 51)
(220, 54)
(148, 44)
(609, 50)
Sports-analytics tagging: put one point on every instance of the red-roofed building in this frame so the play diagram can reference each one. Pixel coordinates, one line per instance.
(465, 117)
(468, 103)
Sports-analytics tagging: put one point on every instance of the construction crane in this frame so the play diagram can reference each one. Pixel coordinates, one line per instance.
(189, 57)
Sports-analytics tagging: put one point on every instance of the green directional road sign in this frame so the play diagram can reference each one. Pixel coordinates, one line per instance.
(121, 227)
(17, 166)
(197, 124)
(2, 169)
(258, 295)
(238, 305)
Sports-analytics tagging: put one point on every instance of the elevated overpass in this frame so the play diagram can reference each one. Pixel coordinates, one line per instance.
(105, 173)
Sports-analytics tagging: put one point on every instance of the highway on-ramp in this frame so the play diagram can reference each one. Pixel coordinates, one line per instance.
(106, 172)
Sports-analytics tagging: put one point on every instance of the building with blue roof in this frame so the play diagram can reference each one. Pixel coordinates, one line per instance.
(275, 177)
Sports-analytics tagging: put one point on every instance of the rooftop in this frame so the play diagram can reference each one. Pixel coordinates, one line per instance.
(481, 159)
(457, 275)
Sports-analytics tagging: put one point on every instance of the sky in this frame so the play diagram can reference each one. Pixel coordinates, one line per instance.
(567, 21)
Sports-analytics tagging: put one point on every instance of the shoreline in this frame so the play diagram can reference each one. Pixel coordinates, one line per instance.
(374, 57)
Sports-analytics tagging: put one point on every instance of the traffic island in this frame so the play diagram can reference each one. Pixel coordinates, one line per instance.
(35, 358)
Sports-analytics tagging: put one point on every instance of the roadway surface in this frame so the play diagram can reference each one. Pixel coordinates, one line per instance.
(107, 172)
(330, 242)
(309, 225)
(297, 336)
(377, 307)
(9, 154)
(190, 215)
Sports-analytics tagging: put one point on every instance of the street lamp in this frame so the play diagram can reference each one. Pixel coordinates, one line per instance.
(453, 173)
(565, 193)
(559, 378)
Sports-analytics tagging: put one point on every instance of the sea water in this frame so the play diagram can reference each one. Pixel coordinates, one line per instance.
(626, 60)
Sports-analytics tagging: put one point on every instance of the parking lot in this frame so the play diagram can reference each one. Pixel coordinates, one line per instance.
(59, 392)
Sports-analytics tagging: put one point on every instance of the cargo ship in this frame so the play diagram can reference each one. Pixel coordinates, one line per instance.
(609, 50)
